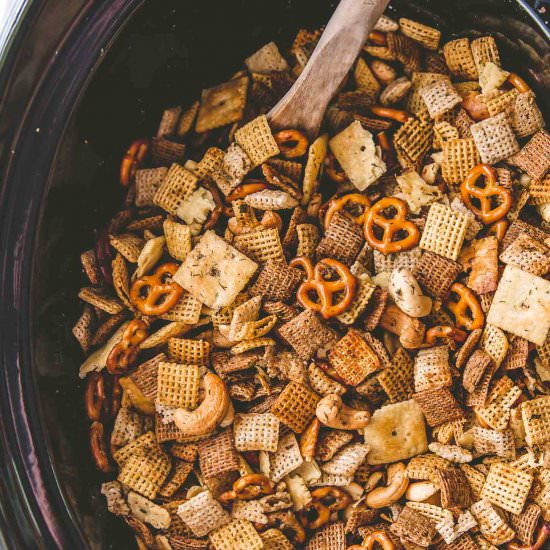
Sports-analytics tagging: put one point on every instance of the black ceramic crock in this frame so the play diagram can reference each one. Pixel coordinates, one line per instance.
(82, 79)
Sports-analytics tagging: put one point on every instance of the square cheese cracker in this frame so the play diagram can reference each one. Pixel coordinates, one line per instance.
(214, 272)
(521, 305)
(354, 149)
(396, 432)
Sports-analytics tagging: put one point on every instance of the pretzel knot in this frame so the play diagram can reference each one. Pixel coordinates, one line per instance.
(489, 202)
(292, 143)
(498, 229)
(219, 209)
(328, 304)
(444, 331)
(124, 354)
(132, 159)
(333, 498)
(156, 294)
(98, 447)
(351, 203)
(95, 396)
(333, 169)
(248, 487)
(379, 537)
(542, 536)
(467, 311)
(393, 228)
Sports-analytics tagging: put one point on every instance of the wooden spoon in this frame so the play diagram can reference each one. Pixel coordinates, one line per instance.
(304, 105)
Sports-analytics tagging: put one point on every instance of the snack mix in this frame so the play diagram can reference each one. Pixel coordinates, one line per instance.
(335, 341)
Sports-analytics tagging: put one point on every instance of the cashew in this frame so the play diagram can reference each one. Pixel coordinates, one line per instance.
(374, 479)
(410, 330)
(421, 491)
(139, 401)
(383, 72)
(332, 412)
(227, 420)
(208, 415)
(407, 294)
(397, 483)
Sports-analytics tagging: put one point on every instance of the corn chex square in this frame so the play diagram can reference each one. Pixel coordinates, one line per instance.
(444, 231)
(507, 487)
(177, 185)
(145, 473)
(536, 419)
(257, 141)
(178, 385)
(240, 534)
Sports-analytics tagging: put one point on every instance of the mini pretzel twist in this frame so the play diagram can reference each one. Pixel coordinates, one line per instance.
(219, 209)
(351, 200)
(248, 487)
(333, 169)
(393, 114)
(333, 498)
(292, 143)
(245, 189)
(132, 159)
(95, 396)
(314, 515)
(116, 396)
(325, 290)
(379, 537)
(487, 212)
(388, 152)
(391, 227)
(153, 294)
(378, 37)
(467, 302)
(124, 354)
(542, 537)
(498, 229)
(518, 83)
(99, 447)
(444, 331)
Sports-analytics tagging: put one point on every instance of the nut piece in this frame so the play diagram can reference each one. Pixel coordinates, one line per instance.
(421, 491)
(396, 91)
(332, 412)
(383, 72)
(397, 483)
(407, 294)
(208, 415)
(409, 329)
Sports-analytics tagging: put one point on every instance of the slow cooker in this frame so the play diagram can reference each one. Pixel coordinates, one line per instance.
(79, 79)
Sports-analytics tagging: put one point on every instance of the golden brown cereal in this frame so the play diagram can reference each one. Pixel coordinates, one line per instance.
(423, 34)
(460, 60)
(459, 157)
(444, 231)
(295, 406)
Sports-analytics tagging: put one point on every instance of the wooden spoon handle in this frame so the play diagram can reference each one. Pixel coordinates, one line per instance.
(304, 105)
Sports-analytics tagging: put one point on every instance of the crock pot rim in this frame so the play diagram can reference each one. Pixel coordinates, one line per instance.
(22, 435)
(32, 504)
